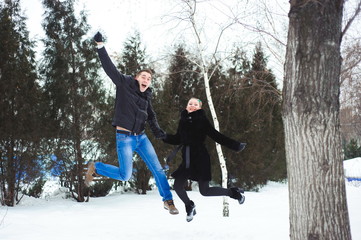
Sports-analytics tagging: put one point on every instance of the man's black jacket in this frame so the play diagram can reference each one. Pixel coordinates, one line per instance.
(133, 108)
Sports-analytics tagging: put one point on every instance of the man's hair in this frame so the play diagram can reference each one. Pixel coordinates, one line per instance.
(144, 70)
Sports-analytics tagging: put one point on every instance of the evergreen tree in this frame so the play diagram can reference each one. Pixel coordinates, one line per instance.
(106, 146)
(253, 114)
(73, 91)
(352, 149)
(20, 126)
(133, 56)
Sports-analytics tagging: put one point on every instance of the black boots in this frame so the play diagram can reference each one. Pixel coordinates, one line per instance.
(236, 193)
(191, 211)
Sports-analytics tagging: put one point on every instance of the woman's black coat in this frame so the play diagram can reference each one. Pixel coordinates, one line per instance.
(192, 131)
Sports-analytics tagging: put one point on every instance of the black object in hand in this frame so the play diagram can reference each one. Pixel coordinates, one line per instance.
(98, 37)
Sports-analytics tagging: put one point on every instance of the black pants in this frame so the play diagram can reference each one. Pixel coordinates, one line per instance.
(204, 189)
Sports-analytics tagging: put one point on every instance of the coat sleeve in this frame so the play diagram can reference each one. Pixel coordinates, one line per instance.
(220, 138)
(109, 67)
(173, 139)
(153, 122)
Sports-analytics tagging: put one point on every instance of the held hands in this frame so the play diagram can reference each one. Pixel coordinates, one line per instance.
(160, 134)
(98, 37)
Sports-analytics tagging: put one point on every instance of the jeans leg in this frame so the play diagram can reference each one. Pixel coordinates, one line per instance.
(125, 146)
(146, 151)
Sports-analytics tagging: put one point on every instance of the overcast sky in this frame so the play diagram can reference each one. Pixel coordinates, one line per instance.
(160, 28)
(154, 19)
(117, 19)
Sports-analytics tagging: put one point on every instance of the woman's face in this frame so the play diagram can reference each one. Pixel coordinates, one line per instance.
(193, 105)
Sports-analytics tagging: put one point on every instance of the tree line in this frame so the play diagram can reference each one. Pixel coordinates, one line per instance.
(55, 114)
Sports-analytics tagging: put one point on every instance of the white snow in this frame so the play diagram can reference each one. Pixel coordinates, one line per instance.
(264, 215)
(353, 168)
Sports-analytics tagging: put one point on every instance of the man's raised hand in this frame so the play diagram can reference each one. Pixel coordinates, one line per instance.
(98, 37)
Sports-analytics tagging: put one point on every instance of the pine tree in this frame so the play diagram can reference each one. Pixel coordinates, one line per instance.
(253, 113)
(106, 146)
(133, 56)
(20, 126)
(352, 149)
(73, 91)
(267, 122)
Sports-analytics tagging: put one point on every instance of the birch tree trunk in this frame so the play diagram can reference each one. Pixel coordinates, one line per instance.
(204, 68)
(222, 161)
(318, 207)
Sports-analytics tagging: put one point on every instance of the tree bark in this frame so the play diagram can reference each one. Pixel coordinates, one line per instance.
(10, 176)
(222, 161)
(317, 195)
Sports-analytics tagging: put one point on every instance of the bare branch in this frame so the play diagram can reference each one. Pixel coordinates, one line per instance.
(356, 13)
(256, 29)
(219, 38)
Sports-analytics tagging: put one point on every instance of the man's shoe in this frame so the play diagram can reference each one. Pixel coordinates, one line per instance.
(169, 205)
(237, 193)
(89, 176)
(191, 211)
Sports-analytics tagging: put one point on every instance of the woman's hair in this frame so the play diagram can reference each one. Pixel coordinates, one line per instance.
(199, 101)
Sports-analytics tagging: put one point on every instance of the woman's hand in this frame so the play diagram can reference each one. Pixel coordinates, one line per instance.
(241, 147)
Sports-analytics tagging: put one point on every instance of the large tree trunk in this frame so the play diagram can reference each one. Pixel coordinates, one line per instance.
(318, 207)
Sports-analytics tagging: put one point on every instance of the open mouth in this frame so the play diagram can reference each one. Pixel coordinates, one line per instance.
(144, 86)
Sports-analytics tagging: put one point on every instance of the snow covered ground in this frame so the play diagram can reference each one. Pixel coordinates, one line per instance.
(353, 168)
(129, 216)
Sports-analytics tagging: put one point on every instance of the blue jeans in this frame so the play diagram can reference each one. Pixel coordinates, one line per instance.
(126, 146)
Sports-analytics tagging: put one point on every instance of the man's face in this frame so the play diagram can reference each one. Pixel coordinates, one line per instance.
(144, 80)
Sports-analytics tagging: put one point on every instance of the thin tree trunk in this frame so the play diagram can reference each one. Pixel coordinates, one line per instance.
(204, 70)
(10, 176)
(222, 161)
(318, 207)
(79, 171)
